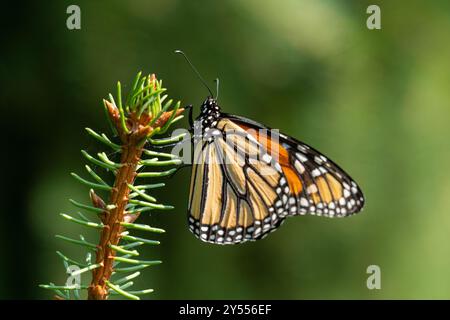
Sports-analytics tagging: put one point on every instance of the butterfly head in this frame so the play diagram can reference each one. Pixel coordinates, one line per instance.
(209, 113)
(209, 106)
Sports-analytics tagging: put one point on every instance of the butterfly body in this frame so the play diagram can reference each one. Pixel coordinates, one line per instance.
(247, 178)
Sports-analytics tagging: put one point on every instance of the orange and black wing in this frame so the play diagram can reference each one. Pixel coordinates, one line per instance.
(316, 184)
(240, 191)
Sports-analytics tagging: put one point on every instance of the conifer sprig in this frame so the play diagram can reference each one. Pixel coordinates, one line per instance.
(135, 120)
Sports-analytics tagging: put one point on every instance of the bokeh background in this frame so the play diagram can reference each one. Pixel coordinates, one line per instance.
(377, 102)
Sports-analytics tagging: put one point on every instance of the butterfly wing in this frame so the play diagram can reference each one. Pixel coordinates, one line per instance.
(317, 184)
(241, 192)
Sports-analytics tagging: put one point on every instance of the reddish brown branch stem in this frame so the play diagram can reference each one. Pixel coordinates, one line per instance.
(110, 234)
(112, 218)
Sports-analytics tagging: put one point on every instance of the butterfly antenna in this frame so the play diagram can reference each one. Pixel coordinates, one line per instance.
(217, 88)
(195, 70)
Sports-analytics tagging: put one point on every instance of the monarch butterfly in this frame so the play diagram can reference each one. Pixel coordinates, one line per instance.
(240, 192)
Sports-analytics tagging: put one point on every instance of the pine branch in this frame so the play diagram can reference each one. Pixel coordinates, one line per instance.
(143, 115)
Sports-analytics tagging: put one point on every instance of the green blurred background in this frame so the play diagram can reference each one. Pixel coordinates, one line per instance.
(377, 102)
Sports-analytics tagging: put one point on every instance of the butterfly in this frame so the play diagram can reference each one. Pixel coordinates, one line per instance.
(239, 191)
(247, 179)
